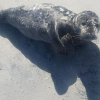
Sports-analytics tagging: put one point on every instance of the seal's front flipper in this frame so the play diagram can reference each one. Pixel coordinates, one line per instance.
(68, 43)
(58, 46)
(54, 38)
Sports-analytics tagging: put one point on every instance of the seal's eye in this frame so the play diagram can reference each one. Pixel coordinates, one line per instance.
(97, 25)
(95, 20)
(83, 23)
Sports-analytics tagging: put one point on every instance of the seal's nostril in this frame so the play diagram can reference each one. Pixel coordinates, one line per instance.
(97, 27)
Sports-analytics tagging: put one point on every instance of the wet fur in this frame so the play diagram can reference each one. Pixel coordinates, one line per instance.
(53, 24)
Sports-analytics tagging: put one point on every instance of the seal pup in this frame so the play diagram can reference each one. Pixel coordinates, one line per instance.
(53, 24)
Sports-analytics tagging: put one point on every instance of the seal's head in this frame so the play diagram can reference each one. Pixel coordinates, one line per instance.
(86, 25)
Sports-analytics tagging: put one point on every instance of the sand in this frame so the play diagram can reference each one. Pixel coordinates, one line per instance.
(30, 70)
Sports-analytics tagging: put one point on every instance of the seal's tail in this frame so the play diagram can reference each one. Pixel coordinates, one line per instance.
(2, 16)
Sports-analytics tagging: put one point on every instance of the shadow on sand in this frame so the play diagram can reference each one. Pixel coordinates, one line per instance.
(85, 63)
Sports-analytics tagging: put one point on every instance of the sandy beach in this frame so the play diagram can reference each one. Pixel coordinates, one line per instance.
(31, 70)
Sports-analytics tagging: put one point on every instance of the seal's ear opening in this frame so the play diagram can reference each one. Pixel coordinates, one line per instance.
(76, 25)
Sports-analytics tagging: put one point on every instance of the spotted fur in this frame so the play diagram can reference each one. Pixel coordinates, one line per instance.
(51, 23)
